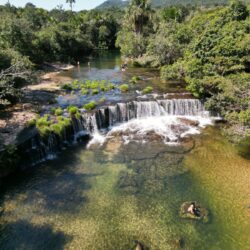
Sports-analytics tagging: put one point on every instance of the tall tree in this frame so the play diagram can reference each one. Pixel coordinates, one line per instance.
(71, 2)
(139, 14)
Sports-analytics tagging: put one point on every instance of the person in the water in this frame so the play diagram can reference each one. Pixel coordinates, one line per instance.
(192, 209)
(124, 66)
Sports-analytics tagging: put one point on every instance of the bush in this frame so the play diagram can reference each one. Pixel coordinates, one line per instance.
(124, 88)
(172, 72)
(90, 106)
(147, 90)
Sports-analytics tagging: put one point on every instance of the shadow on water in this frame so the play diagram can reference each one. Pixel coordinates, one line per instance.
(23, 235)
(51, 187)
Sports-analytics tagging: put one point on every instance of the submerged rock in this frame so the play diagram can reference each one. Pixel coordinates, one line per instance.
(202, 212)
(188, 122)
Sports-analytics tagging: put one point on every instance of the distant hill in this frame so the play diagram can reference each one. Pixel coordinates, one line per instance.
(113, 3)
(160, 3)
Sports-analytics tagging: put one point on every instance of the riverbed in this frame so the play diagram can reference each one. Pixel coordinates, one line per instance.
(112, 194)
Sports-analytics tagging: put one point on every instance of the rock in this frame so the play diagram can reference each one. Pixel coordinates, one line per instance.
(203, 212)
(189, 122)
(27, 106)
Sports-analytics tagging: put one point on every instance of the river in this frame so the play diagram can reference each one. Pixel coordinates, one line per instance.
(128, 188)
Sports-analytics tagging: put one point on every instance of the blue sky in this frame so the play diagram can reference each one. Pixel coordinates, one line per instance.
(50, 4)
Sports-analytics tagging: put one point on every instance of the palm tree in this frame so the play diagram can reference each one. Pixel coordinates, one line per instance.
(139, 14)
(71, 2)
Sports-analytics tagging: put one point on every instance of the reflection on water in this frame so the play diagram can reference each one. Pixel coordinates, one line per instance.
(108, 197)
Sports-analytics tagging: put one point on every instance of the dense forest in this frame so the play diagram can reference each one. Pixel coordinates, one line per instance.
(31, 36)
(206, 47)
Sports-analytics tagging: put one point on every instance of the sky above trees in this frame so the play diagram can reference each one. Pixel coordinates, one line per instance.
(50, 4)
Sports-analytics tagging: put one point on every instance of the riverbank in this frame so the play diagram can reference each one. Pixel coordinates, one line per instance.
(35, 96)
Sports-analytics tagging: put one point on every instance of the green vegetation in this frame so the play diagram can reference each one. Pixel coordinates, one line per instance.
(134, 79)
(48, 124)
(58, 111)
(147, 90)
(124, 88)
(207, 48)
(90, 106)
(30, 36)
(74, 111)
(94, 87)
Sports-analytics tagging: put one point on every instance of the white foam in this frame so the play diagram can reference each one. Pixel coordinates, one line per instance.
(97, 139)
(169, 128)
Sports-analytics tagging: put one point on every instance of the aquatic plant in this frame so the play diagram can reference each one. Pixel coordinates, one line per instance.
(124, 88)
(90, 106)
(84, 87)
(147, 90)
(72, 110)
(134, 79)
(95, 92)
(31, 123)
(58, 111)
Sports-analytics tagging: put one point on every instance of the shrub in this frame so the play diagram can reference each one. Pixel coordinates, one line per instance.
(90, 106)
(147, 90)
(124, 88)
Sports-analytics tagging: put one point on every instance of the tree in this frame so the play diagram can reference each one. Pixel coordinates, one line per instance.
(139, 14)
(71, 2)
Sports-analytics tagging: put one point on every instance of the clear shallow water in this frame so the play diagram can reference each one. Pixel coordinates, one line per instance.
(106, 197)
(106, 66)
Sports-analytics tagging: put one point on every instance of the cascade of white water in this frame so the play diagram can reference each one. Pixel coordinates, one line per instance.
(160, 115)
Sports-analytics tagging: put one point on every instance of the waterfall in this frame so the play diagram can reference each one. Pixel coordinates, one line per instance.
(122, 112)
(91, 123)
